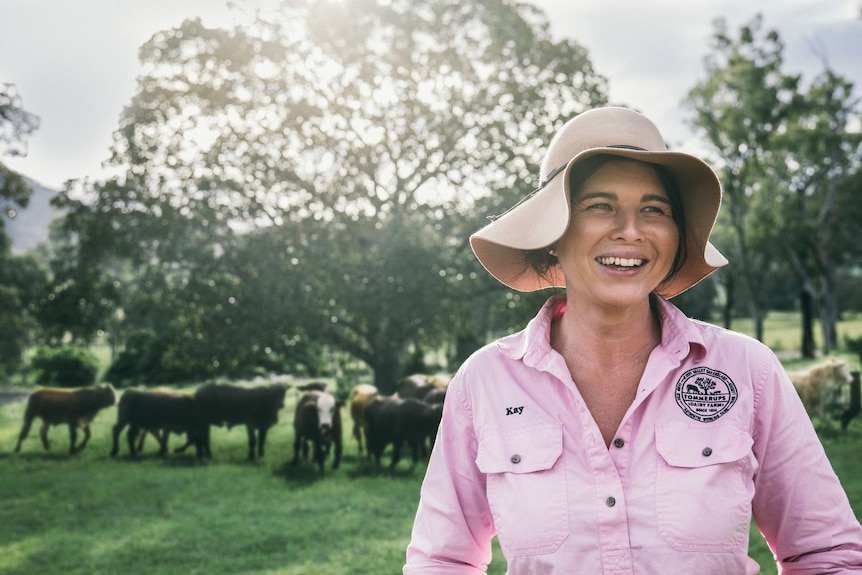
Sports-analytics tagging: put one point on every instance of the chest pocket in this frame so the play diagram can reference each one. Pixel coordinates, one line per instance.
(526, 487)
(704, 486)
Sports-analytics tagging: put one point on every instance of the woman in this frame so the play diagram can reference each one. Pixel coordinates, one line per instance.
(613, 434)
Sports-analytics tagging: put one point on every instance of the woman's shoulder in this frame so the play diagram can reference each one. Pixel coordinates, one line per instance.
(491, 353)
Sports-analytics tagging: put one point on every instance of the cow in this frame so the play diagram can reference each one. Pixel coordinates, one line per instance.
(435, 396)
(394, 420)
(361, 395)
(312, 386)
(74, 407)
(159, 412)
(318, 420)
(420, 386)
(415, 386)
(440, 380)
(820, 387)
(224, 404)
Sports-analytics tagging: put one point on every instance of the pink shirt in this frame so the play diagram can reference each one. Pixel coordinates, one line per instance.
(715, 435)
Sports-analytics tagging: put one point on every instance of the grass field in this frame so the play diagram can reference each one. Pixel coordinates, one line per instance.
(782, 333)
(91, 514)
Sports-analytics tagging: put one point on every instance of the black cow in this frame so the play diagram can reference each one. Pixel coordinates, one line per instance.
(435, 396)
(396, 421)
(318, 420)
(415, 386)
(257, 408)
(160, 412)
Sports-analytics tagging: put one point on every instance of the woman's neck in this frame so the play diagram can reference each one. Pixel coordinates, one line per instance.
(606, 336)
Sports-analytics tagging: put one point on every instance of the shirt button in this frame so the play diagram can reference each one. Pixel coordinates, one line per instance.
(619, 442)
(610, 501)
(707, 451)
(516, 459)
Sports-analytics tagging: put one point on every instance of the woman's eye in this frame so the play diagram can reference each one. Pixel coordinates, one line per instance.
(656, 210)
(599, 206)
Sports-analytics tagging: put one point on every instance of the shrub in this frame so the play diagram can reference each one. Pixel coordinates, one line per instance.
(140, 362)
(66, 366)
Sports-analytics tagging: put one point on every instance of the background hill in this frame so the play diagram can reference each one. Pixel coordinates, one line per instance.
(30, 226)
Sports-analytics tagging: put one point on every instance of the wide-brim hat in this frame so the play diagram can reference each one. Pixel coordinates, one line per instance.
(540, 220)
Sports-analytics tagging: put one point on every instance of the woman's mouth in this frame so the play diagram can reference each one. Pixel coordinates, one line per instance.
(621, 262)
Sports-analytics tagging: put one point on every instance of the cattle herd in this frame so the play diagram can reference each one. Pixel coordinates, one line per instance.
(409, 417)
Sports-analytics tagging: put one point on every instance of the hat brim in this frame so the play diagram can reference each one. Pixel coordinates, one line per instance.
(542, 219)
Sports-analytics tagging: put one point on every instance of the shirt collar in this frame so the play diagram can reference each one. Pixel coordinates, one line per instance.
(680, 335)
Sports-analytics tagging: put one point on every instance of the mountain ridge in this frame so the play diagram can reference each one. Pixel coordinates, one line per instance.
(31, 225)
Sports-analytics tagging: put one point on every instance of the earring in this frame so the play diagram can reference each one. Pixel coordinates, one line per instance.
(552, 252)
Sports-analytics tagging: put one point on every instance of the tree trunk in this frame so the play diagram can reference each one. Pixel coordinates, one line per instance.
(757, 319)
(829, 320)
(749, 277)
(806, 307)
(829, 307)
(728, 303)
(386, 370)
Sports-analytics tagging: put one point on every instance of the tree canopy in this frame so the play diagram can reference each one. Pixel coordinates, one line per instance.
(17, 274)
(784, 149)
(337, 160)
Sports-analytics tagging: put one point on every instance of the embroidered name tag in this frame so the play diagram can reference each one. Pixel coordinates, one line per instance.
(705, 394)
(514, 410)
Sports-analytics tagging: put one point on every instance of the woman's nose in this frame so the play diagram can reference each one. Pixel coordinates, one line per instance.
(627, 226)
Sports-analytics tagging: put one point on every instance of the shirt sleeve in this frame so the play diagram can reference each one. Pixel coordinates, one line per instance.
(453, 527)
(799, 505)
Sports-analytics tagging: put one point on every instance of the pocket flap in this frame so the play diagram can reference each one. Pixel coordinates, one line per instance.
(520, 449)
(686, 446)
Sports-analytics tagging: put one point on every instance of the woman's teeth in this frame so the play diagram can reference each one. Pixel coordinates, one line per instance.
(621, 262)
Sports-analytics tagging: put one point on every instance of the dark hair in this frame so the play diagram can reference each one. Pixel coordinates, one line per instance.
(541, 261)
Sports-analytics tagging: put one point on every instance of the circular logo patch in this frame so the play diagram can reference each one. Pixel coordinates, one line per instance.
(705, 394)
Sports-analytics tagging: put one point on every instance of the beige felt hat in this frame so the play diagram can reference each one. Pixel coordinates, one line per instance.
(540, 219)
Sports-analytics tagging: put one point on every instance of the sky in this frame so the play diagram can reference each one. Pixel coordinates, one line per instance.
(74, 64)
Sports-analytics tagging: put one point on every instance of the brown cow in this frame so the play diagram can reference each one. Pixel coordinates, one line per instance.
(159, 412)
(74, 407)
(224, 404)
(361, 395)
(317, 420)
(440, 380)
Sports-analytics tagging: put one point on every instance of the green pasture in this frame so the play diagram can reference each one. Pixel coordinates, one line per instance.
(782, 332)
(91, 514)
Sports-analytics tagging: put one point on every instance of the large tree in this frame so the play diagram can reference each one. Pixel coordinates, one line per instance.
(16, 272)
(785, 150)
(365, 135)
(817, 152)
(741, 105)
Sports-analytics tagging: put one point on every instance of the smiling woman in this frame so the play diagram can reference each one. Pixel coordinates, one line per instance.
(638, 432)
(624, 226)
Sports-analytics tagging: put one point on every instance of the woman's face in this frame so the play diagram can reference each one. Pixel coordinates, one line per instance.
(622, 239)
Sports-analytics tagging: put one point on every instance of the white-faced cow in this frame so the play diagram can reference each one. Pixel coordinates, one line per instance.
(318, 421)
(74, 407)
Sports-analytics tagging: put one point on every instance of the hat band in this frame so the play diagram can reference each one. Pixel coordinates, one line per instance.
(627, 147)
(553, 173)
(546, 181)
